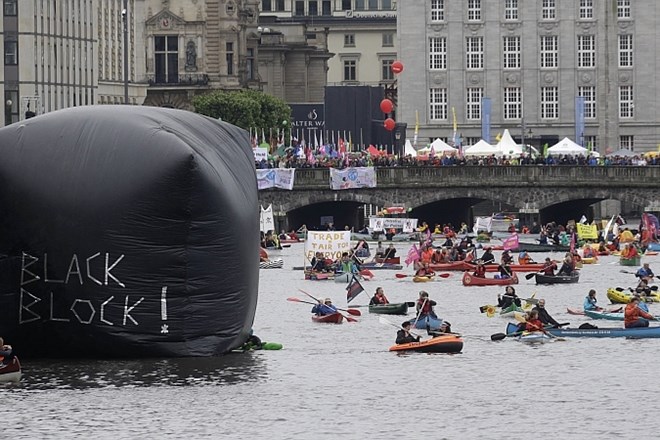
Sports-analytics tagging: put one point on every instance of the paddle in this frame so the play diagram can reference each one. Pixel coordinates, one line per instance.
(501, 336)
(403, 275)
(385, 321)
(531, 300)
(348, 318)
(419, 313)
(349, 311)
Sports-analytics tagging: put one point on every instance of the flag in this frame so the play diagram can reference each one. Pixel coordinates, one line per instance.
(545, 149)
(413, 255)
(587, 232)
(417, 130)
(583, 219)
(498, 137)
(429, 237)
(572, 242)
(353, 289)
(510, 242)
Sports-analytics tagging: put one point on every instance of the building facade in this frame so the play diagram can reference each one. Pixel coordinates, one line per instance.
(532, 59)
(60, 53)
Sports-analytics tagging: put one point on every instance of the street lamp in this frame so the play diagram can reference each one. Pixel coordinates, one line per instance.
(124, 17)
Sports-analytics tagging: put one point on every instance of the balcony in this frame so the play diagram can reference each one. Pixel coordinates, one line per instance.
(184, 80)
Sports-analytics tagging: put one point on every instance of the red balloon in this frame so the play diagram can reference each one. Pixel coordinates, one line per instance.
(389, 124)
(397, 67)
(386, 105)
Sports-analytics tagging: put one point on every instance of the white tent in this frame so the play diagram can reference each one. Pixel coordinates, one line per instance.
(622, 153)
(567, 146)
(507, 145)
(441, 147)
(482, 148)
(408, 149)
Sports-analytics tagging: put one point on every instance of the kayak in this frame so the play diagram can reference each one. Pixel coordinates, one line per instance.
(538, 247)
(333, 318)
(611, 332)
(422, 279)
(389, 309)
(469, 280)
(454, 265)
(382, 266)
(343, 277)
(589, 260)
(635, 261)
(534, 338)
(393, 260)
(318, 276)
(653, 247)
(439, 344)
(557, 279)
(582, 313)
(11, 372)
(529, 267)
(426, 322)
(510, 311)
(619, 296)
(604, 315)
(272, 264)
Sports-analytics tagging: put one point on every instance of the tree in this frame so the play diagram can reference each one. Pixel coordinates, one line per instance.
(247, 109)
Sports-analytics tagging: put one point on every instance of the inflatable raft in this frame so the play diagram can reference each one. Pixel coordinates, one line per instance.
(440, 344)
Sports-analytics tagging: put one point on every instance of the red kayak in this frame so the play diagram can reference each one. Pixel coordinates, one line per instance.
(470, 280)
(454, 265)
(530, 267)
(11, 372)
(334, 318)
(395, 260)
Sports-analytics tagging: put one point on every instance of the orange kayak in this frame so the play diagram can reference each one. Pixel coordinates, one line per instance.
(470, 280)
(439, 344)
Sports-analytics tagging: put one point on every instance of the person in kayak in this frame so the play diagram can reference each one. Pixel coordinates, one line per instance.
(346, 265)
(525, 258)
(533, 323)
(488, 257)
(509, 298)
(544, 316)
(324, 308)
(633, 316)
(642, 304)
(403, 336)
(6, 353)
(643, 288)
(480, 270)
(567, 266)
(390, 252)
(590, 302)
(380, 250)
(424, 271)
(549, 267)
(425, 306)
(379, 298)
(645, 273)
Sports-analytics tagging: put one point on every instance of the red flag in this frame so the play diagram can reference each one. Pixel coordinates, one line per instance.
(413, 255)
(353, 289)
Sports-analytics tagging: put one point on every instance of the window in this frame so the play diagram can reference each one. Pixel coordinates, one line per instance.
(10, 8)
(349, 40)
(586, 9)
(437, 104)
(346, 5)
(474, 53)
(511, 10)
(350, 70)
(312, 7)
(512, 103)
(166, 56)
(590, 142)
(386, 70)
(11, 110)
(589, 94)
(548, 10)
(326, 7)
(623, 9)
(230, 58)
(11, 52)
(279, 5)
(626, 106)
(266, 5)
(473, 103)
(437, 10)
(249, 64)
(586, 50)
(627, 142)
(373, 5)
(386, 5)
(300, 8)
(549, 103)
(438, 53)
(388, 39)
(511, 53)
(625, 50)
(471, 140)
(549, 52)
(474, 10)
(359, 5)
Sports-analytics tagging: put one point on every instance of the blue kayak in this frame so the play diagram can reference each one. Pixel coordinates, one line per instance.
(604, 315)
(611, 332)
(427, 322)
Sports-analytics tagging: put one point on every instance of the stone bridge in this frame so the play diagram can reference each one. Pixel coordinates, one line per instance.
(547, 192)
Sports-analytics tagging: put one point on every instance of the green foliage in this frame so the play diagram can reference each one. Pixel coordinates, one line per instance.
(244, 108)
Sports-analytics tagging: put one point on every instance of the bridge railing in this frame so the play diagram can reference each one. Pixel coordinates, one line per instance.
(526, 175)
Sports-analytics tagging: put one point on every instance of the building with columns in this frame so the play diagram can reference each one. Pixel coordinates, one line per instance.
(532, 59)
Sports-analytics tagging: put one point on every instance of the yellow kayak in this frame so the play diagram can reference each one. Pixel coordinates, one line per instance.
(621, 297)
(589, 260)
(422, 279)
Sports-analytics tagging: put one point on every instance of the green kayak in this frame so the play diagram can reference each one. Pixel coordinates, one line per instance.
(635, 261)
(390, 309)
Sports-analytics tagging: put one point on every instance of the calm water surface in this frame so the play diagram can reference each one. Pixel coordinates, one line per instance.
(339, 381)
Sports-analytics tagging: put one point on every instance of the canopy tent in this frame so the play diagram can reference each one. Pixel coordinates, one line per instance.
(438, 146)
(622, 153)
(408, 149)
(507, 145)
(482, 148)
(567, 146)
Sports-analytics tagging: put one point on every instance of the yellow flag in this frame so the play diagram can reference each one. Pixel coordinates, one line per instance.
(417, 123)
(498, 137)
(587, 232)
(453, 111)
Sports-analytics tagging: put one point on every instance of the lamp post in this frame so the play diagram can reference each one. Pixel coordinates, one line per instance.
(124, 17)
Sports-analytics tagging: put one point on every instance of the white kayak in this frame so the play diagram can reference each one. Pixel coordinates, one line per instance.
(272, 264)
(534, 338)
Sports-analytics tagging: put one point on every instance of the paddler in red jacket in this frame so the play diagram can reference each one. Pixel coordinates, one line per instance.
(379, 298)
(425, 305)
(480, 270)
(549, 267)
(633, 316)
(534, 324)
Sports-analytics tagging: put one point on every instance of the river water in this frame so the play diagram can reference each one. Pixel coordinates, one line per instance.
(339, 381)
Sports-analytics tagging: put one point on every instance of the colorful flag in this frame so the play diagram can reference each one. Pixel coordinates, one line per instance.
(510, 243)
(413, 255)
(572, 242)
(417, 130)
(353, 289)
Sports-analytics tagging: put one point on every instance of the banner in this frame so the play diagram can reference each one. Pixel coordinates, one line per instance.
(510, 243)
(266, 222)
(260, 154)
(579, 120)
(482, 224)
(276, 178)
(485, 119)
(349, 178)
(330, 243)
(587, 232)
(384, 223)
(353, 289)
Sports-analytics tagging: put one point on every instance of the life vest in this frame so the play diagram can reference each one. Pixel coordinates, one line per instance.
(426, 306)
